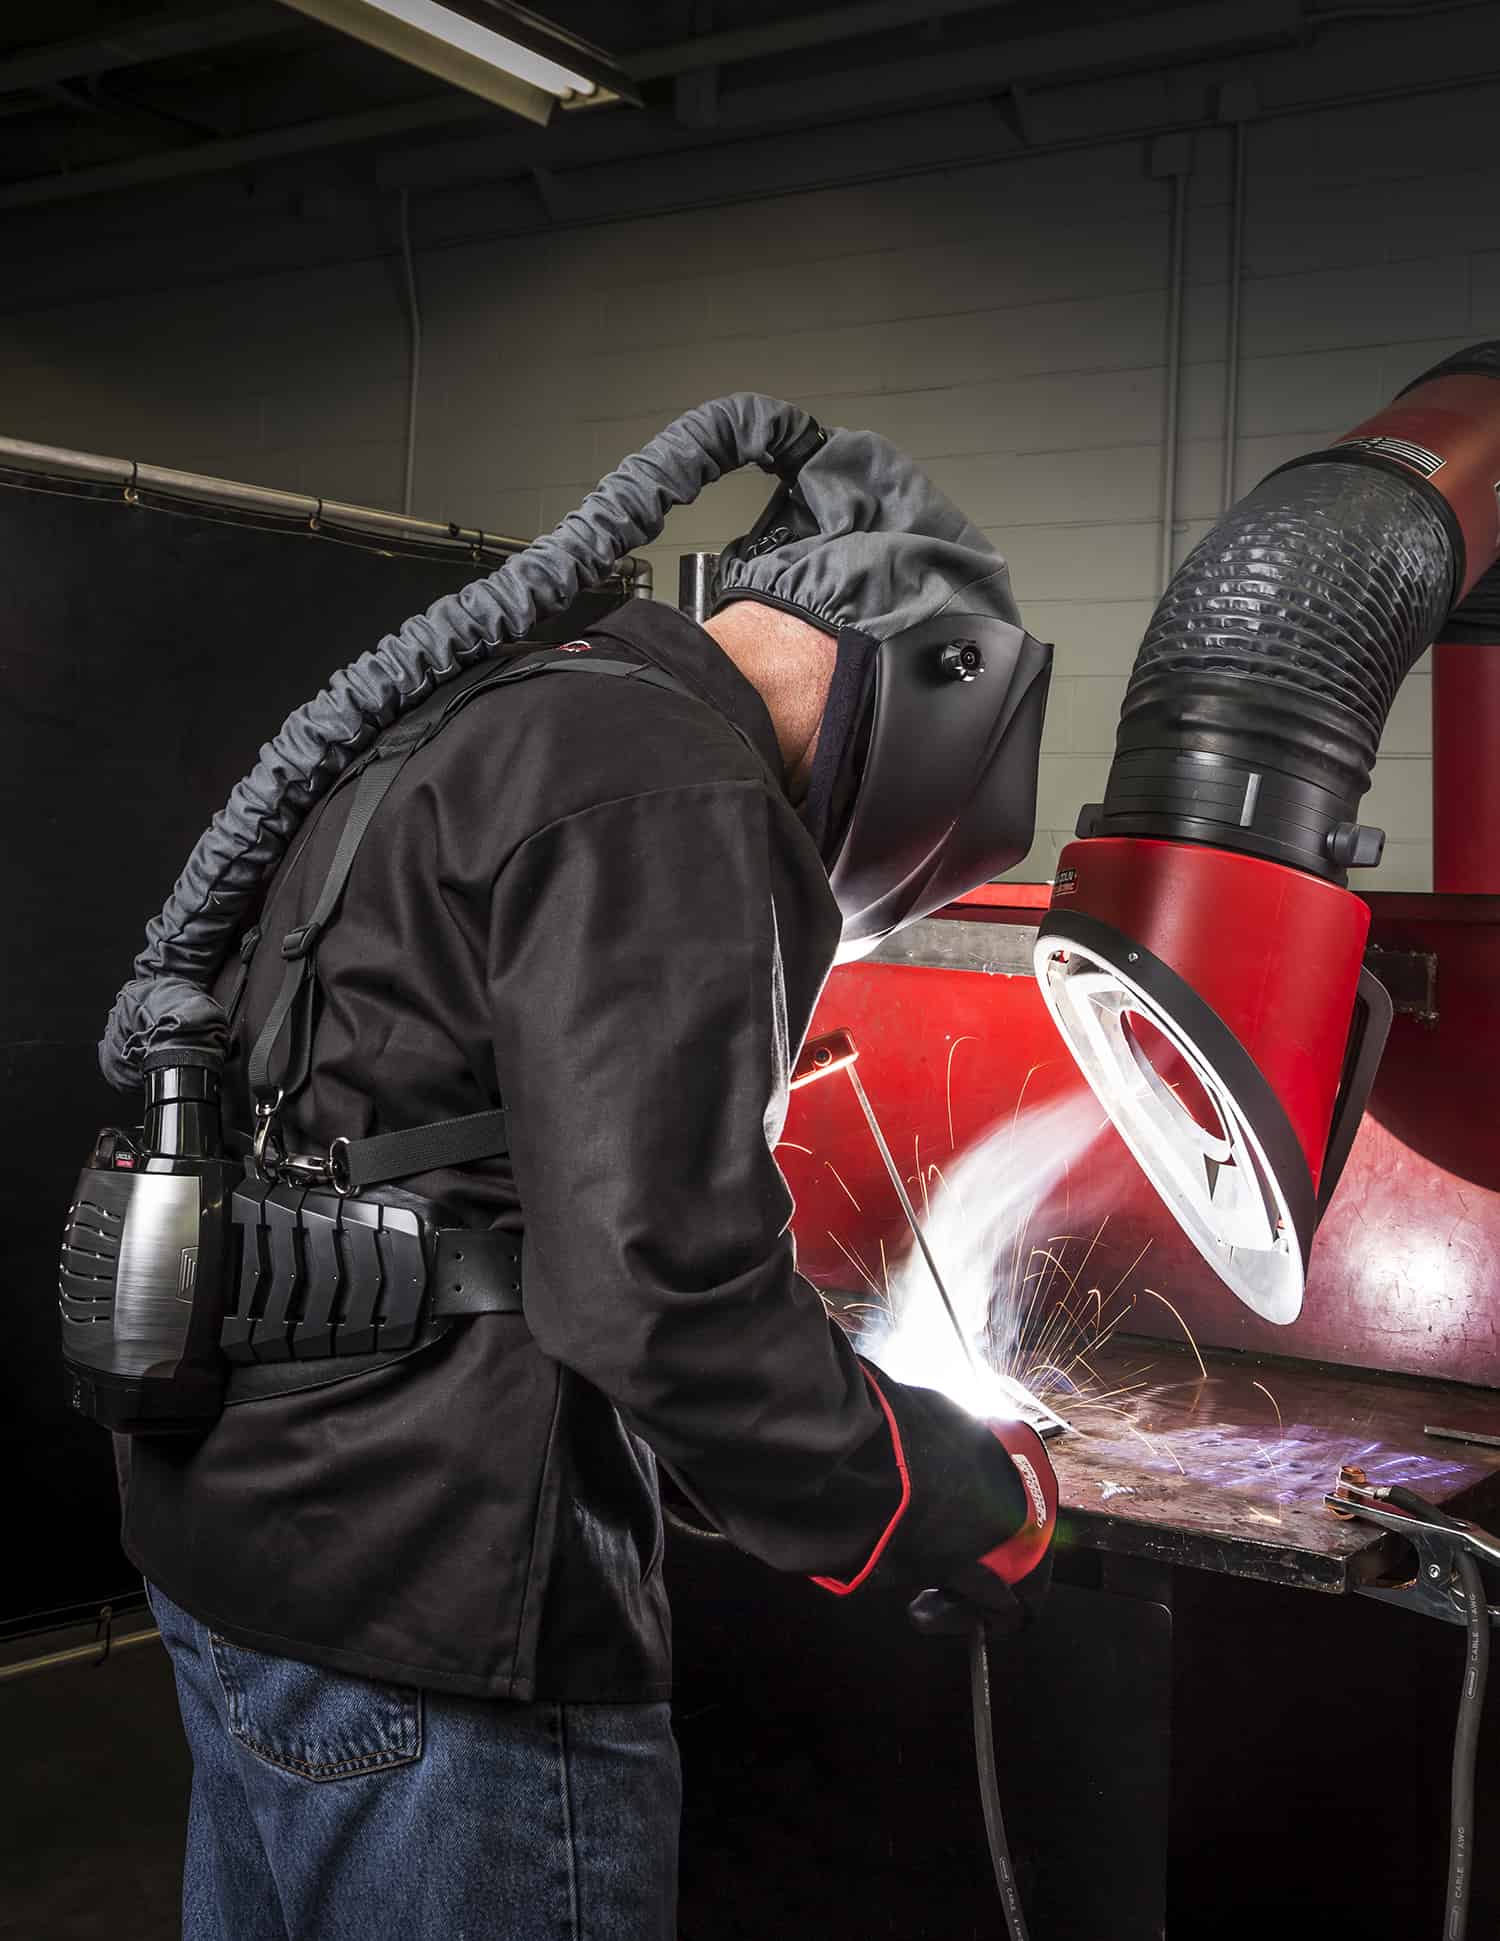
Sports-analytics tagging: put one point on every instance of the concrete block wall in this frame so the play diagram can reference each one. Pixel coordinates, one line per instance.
(1005, 323)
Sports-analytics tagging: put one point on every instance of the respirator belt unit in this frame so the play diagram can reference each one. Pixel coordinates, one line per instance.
(190, 1276)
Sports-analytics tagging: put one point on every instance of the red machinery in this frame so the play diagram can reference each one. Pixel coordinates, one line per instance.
(1405, 1272)
(1202, 958)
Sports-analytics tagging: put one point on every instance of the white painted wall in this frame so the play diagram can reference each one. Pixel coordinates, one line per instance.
(1005, 323)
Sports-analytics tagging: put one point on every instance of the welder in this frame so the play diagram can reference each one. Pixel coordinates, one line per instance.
(413, 1595)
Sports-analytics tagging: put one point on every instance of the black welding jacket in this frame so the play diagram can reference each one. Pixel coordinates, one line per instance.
(590, 899)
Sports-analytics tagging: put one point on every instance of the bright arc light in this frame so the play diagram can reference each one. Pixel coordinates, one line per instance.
(469, 37)
(976, 1228)
(1220, 1186)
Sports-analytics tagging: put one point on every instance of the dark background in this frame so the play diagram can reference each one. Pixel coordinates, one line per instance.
(145, 655)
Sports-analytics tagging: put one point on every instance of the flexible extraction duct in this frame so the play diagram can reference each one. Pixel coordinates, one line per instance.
(1202, 955)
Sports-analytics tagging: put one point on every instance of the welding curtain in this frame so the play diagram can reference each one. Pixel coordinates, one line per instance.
(145, 654)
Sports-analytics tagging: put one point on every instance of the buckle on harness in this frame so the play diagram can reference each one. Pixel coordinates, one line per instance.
(339, 1177)
(299, 942)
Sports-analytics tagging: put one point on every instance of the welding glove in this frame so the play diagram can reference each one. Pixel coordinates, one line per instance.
(974, 1529)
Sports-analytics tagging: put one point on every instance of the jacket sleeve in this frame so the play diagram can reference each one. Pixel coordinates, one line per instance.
(641, 1046)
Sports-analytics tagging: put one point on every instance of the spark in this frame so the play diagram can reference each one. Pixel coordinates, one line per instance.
(1265, 1516)
(1130, 1429)
(790, 1145)
(1280, 1431)
(967, 1039)
(1021, 1095)
(840, 1178)
(1130, 1270)
(855, 1262)
(1181, 1324)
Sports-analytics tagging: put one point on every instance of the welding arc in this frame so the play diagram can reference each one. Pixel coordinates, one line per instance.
(1466, 1747)
(911, 1214)
(989, 1786)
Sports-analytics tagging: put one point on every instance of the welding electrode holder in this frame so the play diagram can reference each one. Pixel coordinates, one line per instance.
(1004, 1589)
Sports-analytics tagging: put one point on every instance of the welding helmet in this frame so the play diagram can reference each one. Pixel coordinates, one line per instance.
(924, 778)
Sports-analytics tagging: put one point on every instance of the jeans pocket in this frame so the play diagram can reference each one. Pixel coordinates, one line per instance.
(316, 1723)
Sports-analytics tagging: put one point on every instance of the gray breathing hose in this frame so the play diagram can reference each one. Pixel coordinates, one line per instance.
(166, 1007)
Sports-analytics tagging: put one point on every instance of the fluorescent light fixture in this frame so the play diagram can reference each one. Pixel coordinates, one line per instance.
(501, 53)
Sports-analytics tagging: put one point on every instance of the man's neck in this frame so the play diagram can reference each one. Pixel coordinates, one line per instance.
(790, 664)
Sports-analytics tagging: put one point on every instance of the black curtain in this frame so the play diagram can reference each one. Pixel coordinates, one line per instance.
(146, 654)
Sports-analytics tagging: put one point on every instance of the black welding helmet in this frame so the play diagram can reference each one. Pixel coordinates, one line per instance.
(924, 780)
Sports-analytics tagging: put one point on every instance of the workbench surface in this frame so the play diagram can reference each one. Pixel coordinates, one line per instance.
(1191, 1468)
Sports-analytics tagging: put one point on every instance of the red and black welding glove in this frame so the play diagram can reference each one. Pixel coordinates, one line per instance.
(973, 1531)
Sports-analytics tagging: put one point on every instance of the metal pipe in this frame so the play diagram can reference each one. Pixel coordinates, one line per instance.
(50, 1660)
(134, 478)
(1239, 136)
(414, 364)
(1465, 733)
(1175, 277)
(697, 583)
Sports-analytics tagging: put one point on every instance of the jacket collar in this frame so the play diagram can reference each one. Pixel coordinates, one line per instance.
(680, 647)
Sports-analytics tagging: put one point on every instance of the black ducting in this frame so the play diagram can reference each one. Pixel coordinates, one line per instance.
(1260, 692)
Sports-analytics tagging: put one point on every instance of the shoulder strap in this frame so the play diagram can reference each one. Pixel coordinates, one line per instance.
(359, 1163)
(299, 945)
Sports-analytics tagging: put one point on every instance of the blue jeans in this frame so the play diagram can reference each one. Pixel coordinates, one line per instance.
(332, 1808)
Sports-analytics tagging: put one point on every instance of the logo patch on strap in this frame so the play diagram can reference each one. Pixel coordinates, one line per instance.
(576, 647)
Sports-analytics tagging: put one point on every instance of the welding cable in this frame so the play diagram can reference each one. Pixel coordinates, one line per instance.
(1470, 1710)
(1466, 1747)
(989, 1785)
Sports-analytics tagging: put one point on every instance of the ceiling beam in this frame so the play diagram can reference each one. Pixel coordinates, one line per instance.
(1182, 34)
(239, 151)
(159, 37)
(821, 29)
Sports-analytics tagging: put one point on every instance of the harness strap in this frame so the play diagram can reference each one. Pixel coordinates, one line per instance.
(357, 1163)
(300, 944)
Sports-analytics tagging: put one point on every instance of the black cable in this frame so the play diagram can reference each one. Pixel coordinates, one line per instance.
(989, 1785)
(1466, 1746)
